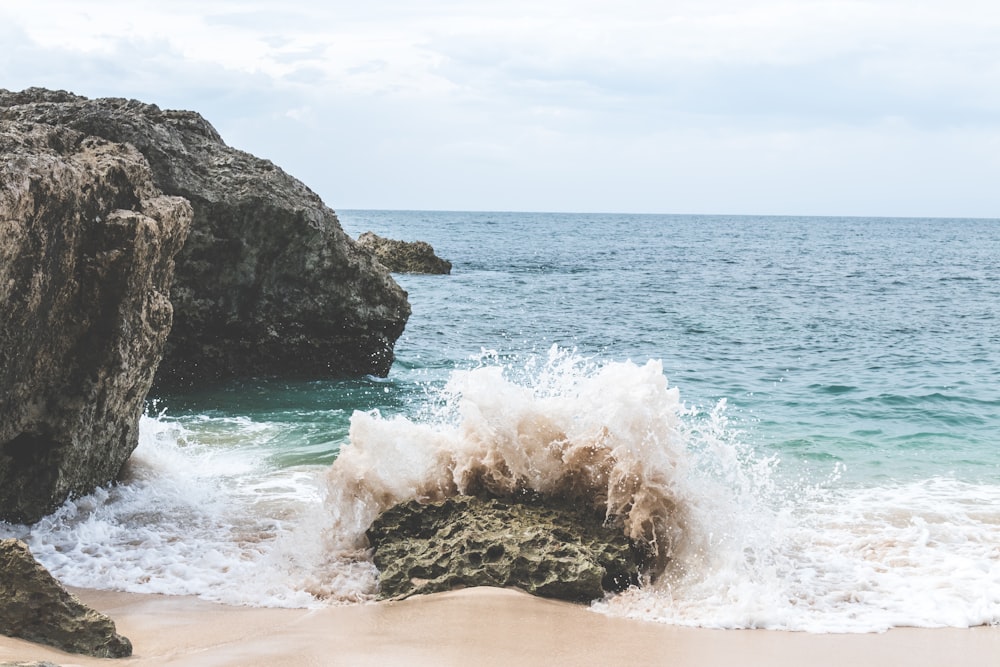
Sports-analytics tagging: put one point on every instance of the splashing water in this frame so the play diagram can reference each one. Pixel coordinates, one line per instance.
(615, 437)
(739, 542)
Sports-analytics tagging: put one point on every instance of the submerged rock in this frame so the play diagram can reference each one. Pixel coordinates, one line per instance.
(404, 256)
(548, 549)
(267, 283)
(35, 607)
(86, 260)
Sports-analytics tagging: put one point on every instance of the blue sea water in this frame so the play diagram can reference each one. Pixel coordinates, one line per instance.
(873, 342)
(819, 396)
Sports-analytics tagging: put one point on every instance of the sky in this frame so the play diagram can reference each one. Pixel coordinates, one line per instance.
(827, 107)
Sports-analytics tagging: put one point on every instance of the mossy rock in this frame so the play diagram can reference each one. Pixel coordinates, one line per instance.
(545, 547)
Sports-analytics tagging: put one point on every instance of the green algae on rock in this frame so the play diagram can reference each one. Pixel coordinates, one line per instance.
(547, 548)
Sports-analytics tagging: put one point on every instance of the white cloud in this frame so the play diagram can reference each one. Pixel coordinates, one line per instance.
(691, 105)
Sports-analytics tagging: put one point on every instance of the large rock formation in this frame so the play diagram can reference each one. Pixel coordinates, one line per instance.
(34, 606)
(86, 259)
(404, 256)
(546, 548)
(268, 283)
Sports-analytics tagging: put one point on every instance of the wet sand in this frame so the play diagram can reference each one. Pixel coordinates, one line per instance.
(481, 626)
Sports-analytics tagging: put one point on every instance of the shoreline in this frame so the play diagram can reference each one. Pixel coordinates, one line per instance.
(482, 626)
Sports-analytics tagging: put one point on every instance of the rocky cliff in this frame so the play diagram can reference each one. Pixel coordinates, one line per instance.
(86, 260)
(267, 283)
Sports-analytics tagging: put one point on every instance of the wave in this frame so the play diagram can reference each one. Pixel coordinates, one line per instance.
(199, 511)
(207, 509)
(737, 545)
(923, 554)
(612, 437)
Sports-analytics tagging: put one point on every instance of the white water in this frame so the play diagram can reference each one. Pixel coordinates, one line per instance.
(922, 554)
(193, 517)
(739, 544)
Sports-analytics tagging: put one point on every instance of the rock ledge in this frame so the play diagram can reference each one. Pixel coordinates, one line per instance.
(404, 256)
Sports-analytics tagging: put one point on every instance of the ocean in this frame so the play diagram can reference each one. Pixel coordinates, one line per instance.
(803, 414)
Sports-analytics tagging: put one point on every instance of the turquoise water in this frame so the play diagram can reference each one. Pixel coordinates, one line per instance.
(842, 374)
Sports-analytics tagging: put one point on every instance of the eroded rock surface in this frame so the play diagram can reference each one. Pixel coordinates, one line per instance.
(545, 548)
(404, 256)
(267, 283)
(35, 607)
(86, 260)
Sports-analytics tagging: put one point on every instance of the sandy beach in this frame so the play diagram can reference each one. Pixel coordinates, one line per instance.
(482, 626)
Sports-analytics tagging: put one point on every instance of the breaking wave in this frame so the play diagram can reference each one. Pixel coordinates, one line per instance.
(740, 541)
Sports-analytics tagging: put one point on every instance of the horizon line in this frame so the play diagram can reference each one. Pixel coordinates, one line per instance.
(679, 215)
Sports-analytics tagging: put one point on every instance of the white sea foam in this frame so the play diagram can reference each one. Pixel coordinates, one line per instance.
(737, 547)
(851, 560)
(204, 511)
(192, 517)
(609, 437)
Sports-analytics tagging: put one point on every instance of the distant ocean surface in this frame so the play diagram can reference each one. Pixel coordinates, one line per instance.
(819, 397)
